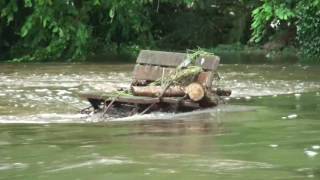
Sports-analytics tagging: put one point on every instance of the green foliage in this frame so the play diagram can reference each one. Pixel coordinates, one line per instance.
(303, 14)
(50, 30)
(270, 13)
(308, 27)
(46, 30)
(42, 30)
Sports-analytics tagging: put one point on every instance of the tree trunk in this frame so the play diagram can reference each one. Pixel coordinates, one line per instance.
(155, 91)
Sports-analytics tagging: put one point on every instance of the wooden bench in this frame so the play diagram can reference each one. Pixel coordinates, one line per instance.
(151, 66)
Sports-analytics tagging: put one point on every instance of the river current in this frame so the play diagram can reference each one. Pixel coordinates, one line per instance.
(268, 129)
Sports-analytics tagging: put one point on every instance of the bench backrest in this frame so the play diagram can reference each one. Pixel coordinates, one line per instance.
(151, 65)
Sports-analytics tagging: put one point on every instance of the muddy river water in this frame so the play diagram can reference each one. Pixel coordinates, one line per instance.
(268, 129)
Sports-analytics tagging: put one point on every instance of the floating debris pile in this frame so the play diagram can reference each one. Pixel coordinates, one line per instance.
(164, 81)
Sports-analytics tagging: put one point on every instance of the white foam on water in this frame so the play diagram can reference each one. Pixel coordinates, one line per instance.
(247, 97)
(297, 95)
(63, 92)
(88, 146)
(225, 165)
(315, 147)
(104, 161)
(292, 116)
(172, 155)
(186, 115)
(44, 118)
(310, 176)
(239, 143)
(160, 170)
(9, 166)
(274, 145)
(310, 153)
(41, 90)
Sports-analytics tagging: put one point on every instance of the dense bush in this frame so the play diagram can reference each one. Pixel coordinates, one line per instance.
(308, 27)
(41, 30)
(270, 15)
(36, 30)
(302, 15)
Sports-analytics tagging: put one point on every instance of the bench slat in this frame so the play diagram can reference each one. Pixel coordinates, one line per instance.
(172, 59)
(152, 73)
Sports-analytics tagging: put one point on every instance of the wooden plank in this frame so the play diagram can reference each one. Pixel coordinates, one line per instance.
(209, 62)
(152, 73)
(173, 59)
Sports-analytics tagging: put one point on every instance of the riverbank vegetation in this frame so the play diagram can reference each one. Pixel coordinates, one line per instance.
(73, 30)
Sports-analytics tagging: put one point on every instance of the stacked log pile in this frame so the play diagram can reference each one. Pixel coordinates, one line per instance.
(184, 83)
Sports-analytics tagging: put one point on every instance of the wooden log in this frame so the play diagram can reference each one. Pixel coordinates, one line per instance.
(195, 91)
(155, 91)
